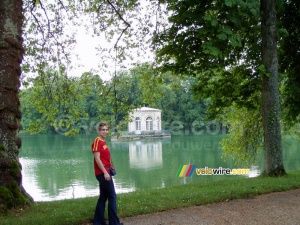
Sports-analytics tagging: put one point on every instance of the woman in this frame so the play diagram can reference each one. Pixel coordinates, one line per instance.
(102, 162)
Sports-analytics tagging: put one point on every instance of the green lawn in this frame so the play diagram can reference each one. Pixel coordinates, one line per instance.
(78, 211)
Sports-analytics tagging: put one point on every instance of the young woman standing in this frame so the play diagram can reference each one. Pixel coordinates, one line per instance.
(102, 162)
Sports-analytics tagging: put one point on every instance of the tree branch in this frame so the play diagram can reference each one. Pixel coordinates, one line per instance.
(120, 16)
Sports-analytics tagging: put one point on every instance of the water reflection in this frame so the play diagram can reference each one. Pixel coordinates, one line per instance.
(57, 174)
(145, 154)
(52, 185)
(57, 189)
(57, 167)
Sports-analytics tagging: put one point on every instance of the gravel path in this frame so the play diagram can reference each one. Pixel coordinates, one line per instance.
(274, 208)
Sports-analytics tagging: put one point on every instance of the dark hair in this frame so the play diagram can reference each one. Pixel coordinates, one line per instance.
(102, 125)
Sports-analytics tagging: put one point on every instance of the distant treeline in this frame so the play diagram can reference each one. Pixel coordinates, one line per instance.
(55, 103)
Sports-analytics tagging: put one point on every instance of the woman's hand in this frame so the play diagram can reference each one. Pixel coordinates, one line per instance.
(107, 176)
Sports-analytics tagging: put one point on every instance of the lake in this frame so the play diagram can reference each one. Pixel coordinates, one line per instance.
(56, 167)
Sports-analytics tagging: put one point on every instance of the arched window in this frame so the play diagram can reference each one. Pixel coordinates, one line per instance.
(149, 123)
(137, 123)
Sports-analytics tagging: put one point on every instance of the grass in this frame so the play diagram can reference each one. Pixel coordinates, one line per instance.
(79, 211)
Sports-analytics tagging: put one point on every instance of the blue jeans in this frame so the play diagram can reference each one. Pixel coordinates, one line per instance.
(107, 192)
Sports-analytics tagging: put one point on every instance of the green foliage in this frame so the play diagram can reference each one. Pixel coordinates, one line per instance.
(293, 131)
(289, 57)
(219, 43)
(245, 138)
(149, 82)
(219, 48)
(48, 41)
(52, 102)
(240, 86)
(204, 36)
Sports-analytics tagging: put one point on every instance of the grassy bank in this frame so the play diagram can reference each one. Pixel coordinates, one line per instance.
(78, 211)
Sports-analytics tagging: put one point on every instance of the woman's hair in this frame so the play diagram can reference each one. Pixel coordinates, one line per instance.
(102, 125)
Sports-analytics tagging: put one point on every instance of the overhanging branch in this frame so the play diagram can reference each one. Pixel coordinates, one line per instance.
(121, 18)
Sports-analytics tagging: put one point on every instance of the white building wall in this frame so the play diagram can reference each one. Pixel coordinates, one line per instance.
(143, 113)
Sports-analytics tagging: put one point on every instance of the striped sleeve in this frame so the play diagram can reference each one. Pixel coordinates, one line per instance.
(95, 145)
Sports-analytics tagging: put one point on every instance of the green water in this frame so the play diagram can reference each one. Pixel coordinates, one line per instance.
(57, 167)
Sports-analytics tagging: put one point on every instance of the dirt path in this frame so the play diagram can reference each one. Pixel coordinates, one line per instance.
(274, 208)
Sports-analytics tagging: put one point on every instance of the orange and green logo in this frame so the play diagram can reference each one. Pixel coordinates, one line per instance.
(185, 170)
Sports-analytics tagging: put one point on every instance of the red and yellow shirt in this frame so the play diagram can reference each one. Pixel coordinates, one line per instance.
(100, 145)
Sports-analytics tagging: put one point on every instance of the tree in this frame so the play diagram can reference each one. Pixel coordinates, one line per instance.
(47, 46)
(12, 192)
(217, 42)
(270, 92)
(55, 98)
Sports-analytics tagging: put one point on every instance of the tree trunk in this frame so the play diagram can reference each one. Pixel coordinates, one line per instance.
(270, 93)
(12, 192)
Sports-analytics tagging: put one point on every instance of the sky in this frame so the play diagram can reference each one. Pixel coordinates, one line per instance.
(89, 59)
(85, 55)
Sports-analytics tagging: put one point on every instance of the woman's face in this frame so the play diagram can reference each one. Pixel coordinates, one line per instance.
(103, 131)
